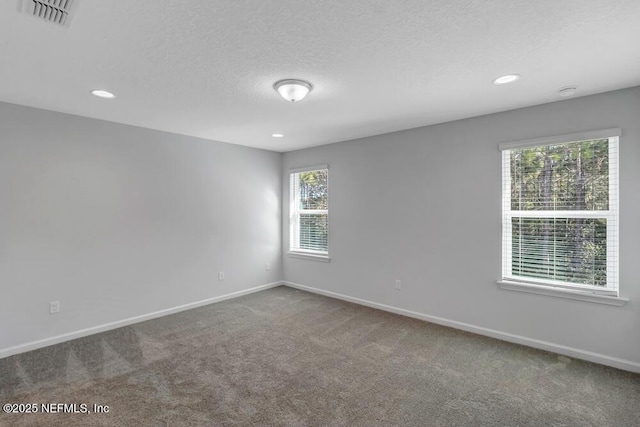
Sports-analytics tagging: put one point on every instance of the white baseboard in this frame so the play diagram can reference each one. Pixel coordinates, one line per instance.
(10, 351)
(602, 359)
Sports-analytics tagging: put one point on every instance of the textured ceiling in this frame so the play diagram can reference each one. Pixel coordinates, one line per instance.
(206, 68)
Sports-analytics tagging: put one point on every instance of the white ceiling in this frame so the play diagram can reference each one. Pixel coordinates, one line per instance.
(206, 68)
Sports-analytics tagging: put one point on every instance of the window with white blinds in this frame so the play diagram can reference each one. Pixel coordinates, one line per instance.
(560, 212)
(309, 210)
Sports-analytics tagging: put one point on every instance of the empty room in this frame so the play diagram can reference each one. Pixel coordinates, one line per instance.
(320, 213)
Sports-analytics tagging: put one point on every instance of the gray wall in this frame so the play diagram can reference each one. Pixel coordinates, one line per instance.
(116, 221)
(424, 206)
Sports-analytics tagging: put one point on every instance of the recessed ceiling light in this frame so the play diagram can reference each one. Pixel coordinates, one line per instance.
(567, 91)
(293, 89)
(102, 94)
(277, 135)
(506, 79)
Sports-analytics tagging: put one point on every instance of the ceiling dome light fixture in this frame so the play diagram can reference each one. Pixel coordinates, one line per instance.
(502, 80)
(293, 90)
(277, 135)
(102, 94)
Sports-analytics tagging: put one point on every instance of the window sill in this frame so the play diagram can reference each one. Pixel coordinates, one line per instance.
(312, 257)
(562, 293)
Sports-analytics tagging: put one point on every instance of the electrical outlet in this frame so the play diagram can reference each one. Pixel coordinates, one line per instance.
(267, 267)
(54, 307)
(398, 285)
(221, 275)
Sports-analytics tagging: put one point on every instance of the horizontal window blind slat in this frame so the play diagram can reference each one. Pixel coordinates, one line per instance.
(308, 168)
(560, 214)
(561, 139)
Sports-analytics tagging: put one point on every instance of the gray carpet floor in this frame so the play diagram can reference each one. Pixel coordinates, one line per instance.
(284, 357)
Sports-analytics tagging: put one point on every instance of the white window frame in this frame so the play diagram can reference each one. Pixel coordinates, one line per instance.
(608, 294)
(294, 217)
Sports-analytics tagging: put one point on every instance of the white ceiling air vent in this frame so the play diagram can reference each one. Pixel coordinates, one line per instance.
(54, 11)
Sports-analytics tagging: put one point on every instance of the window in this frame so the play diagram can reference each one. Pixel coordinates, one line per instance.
(560, 212)
(309, 211)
